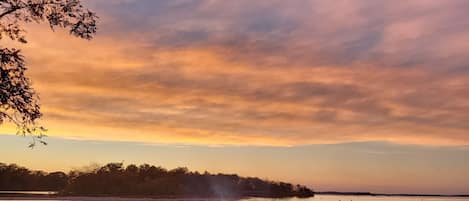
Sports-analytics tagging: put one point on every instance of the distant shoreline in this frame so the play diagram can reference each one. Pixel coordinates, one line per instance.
(49, 195)
(107, 198)
(386, 194)
(20, 196)
(168, 198)
(54, 196)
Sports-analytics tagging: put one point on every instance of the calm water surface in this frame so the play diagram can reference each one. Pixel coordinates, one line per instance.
(316, 198)
(366, 198)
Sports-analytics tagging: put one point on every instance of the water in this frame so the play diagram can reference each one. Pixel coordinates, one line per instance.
(29, 192)
(316, 198)
(364, 198)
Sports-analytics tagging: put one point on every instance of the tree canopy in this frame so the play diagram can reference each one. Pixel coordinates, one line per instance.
(19, 102)
(14, 178)
(115, 179)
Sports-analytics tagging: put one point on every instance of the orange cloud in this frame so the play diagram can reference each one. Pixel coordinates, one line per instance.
(243, 78)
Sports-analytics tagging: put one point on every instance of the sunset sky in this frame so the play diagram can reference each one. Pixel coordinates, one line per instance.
(359, 95)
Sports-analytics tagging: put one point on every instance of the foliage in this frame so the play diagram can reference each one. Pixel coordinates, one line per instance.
(114, 179)
(18, 101)
(13, 177)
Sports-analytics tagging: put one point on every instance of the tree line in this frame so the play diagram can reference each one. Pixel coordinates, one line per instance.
(16, 178)
(115, 179)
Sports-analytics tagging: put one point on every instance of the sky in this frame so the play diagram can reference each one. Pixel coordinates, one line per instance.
(358, 95)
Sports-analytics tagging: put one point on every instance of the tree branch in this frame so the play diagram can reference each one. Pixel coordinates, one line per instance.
(16, 8)
(10, 11)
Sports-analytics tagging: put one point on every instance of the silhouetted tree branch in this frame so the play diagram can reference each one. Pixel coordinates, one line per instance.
(19, 103)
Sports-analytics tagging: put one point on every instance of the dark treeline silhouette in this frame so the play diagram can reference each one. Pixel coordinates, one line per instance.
(13, 177)
(114, 179)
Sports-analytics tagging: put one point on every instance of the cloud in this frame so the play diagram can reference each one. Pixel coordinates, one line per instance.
(264, 72)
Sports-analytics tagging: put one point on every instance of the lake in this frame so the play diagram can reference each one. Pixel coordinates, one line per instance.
(366, 198)
(316, 198)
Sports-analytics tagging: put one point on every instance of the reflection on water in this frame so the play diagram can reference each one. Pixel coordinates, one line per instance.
(29, 192)
(365, 198)
(317, 198)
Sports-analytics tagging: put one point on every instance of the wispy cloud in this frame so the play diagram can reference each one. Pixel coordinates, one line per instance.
(263, 72)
